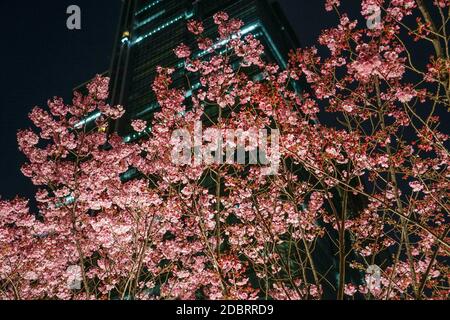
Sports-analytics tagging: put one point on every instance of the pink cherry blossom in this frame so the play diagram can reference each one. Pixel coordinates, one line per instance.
(363, 175)
(182, 51)
(139, 125)
(195, 27)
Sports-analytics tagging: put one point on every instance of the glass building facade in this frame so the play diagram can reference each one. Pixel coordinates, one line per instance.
(149, 30)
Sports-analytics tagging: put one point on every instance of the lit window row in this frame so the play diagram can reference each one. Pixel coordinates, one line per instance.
(153, 17)
(151, 5)
(219, 44)
(185, 15)
(89, 119)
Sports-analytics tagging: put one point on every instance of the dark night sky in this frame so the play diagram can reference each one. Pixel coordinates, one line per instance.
(41, 58)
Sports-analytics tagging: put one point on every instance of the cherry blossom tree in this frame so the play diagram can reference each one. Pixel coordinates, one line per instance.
(368, 190)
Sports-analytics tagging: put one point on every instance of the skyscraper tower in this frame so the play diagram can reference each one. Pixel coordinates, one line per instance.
(149, 30)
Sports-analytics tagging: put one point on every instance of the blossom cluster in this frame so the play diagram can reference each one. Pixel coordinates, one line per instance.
(124, 222)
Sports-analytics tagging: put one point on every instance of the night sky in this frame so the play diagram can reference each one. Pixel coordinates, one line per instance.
(41, 58)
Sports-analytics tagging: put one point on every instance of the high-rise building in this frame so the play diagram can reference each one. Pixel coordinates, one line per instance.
(149, 30)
